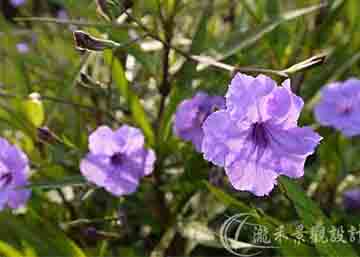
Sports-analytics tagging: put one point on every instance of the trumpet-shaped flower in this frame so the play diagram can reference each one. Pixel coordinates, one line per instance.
(191, 114)
(257, 137)
(14, 171)
(351, 199)
(339, 107)
(117, 159)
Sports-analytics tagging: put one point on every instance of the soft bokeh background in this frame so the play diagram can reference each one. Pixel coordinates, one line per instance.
(178, 211)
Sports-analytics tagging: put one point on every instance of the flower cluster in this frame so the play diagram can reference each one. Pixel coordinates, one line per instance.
(256, 138)
(252, 132)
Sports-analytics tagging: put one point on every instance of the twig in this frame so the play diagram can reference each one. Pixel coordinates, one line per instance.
(73, 22)
(61, 101)
(209, 61)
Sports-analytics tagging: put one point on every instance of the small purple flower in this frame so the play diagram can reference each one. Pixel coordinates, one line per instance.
(17, 3)
(62, 15)
(257, 138)
(191, 114)
(14, 172)
(351, 199)
(22, 48)
(339, 107)
(117, 159)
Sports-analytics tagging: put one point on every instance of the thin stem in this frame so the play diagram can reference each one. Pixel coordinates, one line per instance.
(209, 61)
(79, 222)
(74, 22)
(109, 88)
(61, 101)
(164, 91)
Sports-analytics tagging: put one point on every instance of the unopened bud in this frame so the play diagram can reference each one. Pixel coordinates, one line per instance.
(34, 110)
(90, 233)
(45, 135)
(84, 41)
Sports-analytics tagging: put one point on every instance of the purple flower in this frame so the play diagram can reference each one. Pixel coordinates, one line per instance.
(62, 14)
(17, 3)
(339, 107)
(22, 48)
(191, 114)
(257, 138)
(14, 172)
(117, 159)
(351, 199)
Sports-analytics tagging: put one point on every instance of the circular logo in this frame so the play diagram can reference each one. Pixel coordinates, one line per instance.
(230, 232)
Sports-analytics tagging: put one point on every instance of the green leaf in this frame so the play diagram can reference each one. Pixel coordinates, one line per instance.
(240, 41)
(132, 100)
(231, 201)
(8, 250)
(227, 199)
(42, 237)
(67, 181)
(311, 215)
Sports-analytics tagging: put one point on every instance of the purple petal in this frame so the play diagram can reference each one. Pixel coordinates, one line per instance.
(4, 197)
(16, 160)
(95, 168)
(291, 147)
(299, 141)
(131, 139)
(17, 3)
(284, 106)
(142, 162)
(101, 141)
(184, 118)
(221, 136)
(149, 161)
(18, 198)
(122, 182)
(351, 199)
(191, 114)
(251, 176)
(246, 97)
(22, 48)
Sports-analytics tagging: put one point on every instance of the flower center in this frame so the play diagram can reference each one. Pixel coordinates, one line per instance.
(117, 159)
(344, 109)
(259, 135)
(5, 179)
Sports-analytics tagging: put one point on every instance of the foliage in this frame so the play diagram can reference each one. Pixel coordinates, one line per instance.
(165, 51)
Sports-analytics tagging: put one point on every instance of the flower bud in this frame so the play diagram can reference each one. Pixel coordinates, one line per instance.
(90, 233)
(46, 135)
(84, 41)
(34, 110)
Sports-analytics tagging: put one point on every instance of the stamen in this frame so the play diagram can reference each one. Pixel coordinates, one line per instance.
(5, 179)
(117, 159)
